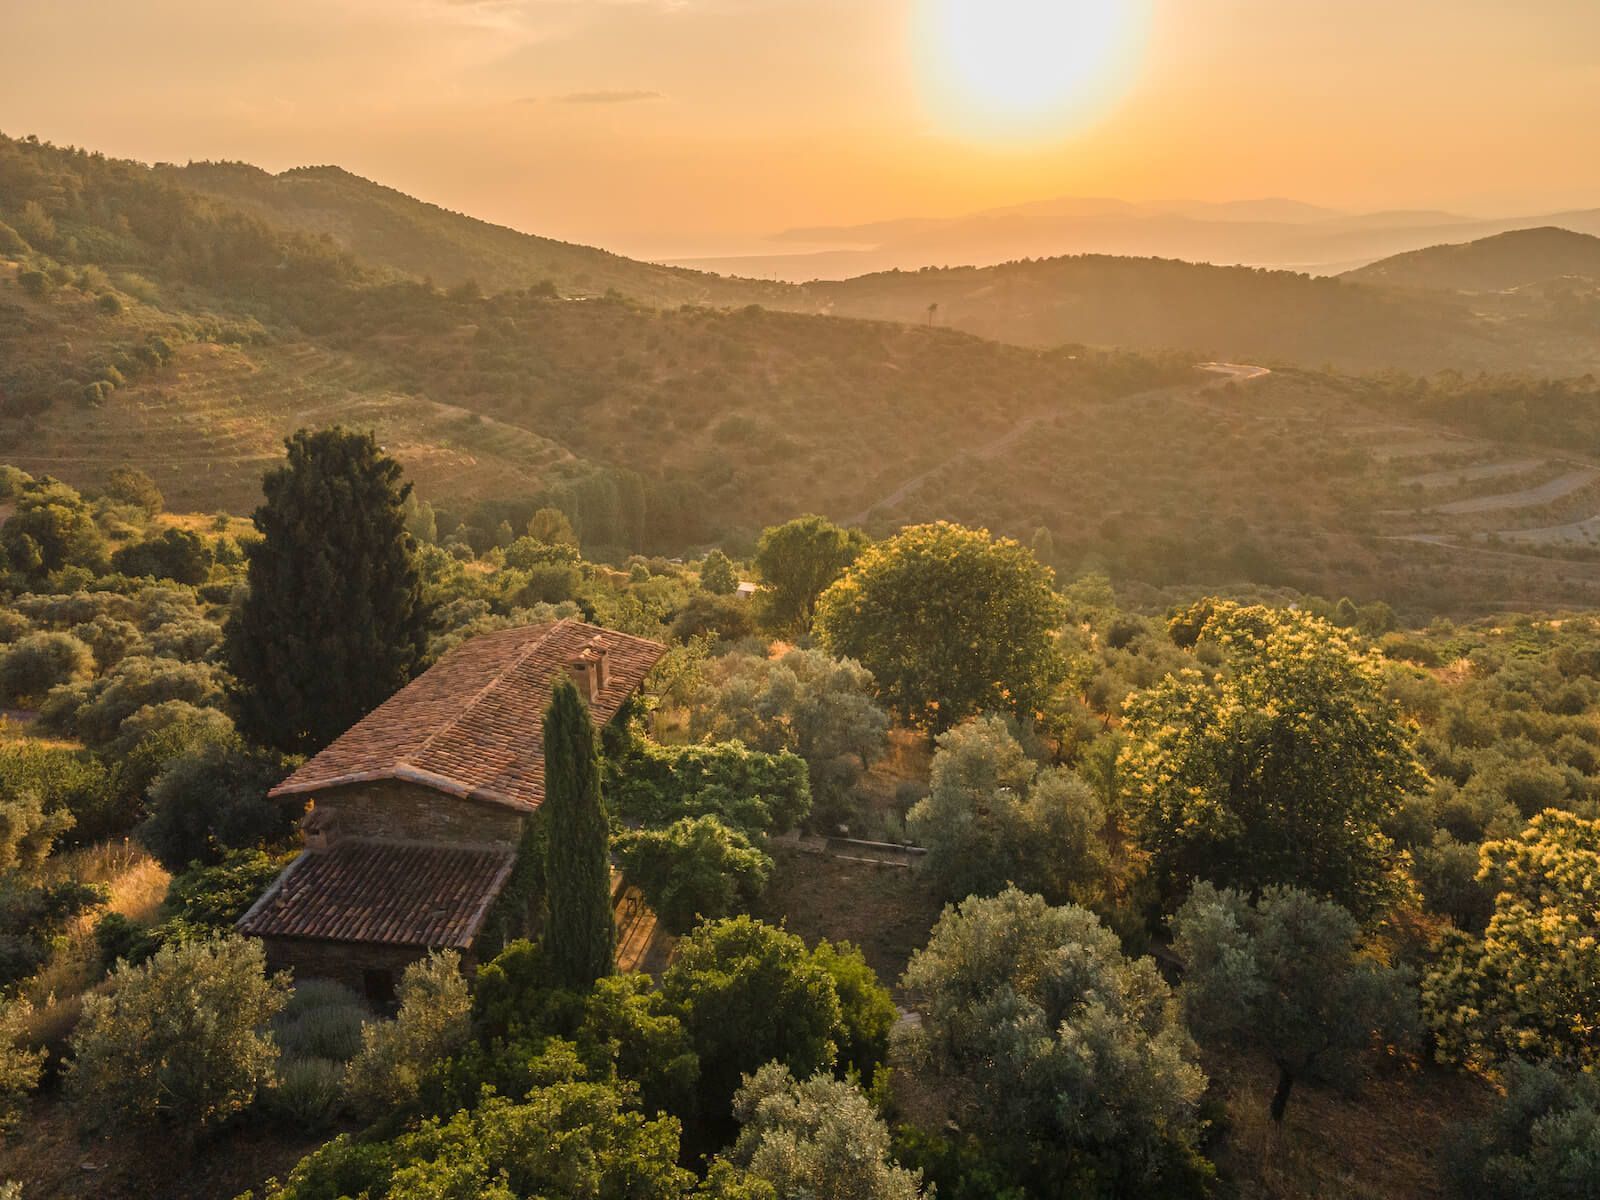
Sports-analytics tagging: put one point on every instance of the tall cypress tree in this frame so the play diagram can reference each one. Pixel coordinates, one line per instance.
(580, 940)
(334, 621)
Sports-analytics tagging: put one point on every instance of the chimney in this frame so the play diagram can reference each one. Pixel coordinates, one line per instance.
(321, 828)
(589, 671)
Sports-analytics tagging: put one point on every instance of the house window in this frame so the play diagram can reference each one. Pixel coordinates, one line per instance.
(378, 985)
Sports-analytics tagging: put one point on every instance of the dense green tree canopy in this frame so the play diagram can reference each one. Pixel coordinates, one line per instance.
(51, 528)
(1283, 770)
(334, 621)
(797, 561)
(695, 868)
(1530, 986)
(950, 622)
(749, 994)
(1287, 976)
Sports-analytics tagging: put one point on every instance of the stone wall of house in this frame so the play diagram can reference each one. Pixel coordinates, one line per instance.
(408, 812)
(371, 971)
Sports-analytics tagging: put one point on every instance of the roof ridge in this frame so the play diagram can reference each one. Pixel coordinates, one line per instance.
(421, 748)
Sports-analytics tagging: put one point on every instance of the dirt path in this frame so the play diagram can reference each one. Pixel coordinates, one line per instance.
(1533, 497)
(1230, 372)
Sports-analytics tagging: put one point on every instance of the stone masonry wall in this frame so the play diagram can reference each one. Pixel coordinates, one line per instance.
(408, 812)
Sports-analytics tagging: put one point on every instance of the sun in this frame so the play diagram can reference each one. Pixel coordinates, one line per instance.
(1026, 68)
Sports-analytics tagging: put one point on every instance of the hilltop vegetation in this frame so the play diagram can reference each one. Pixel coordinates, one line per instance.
(390, 229)
(1236, 313)
(1492, 264)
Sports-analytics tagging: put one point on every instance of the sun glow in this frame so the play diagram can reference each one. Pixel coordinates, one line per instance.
(1027, 68)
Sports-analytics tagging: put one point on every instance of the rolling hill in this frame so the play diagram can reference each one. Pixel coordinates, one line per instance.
(1493, 264)
(387, 228)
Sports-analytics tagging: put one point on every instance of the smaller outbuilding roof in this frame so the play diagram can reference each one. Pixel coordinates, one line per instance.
(392, 893)
(472, 725)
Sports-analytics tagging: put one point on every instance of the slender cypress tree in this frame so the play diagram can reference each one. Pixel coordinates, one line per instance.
(334, 621)
(580, 940)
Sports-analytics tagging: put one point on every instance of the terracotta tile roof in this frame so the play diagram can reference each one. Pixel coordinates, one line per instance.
(392, 893)
(472, 725)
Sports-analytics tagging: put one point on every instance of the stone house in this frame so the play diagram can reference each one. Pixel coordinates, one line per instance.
(416, 814)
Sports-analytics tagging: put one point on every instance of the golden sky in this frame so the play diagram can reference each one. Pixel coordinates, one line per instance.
(684, 126)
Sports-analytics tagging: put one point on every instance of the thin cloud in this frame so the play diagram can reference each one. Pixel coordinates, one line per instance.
(600, 97)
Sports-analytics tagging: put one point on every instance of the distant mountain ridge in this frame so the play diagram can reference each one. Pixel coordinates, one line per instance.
(1494, 264)
(1274, 232)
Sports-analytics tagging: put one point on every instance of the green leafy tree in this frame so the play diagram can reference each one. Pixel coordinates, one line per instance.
(568, 1137)
(133, 486)
(748, 790)
(1541, 1141)
(179, 1038)
(213, 799)
(581, 936)
(807, 702)
(867, 1011)
(950, 622)
(432, 1022)
(819, 1138)
(1284, 770)
(550, 527)
(797, 561)
(716, 574)
(992, 818)
(334, 621)
(1287, 976)
(37, 662)
(1530, 986)
(176, 554)
(1068, 1061)
(695, 868)
(51, 528)
(749, 994)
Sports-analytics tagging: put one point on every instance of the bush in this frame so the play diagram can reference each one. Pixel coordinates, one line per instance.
(322, 1020)
(20, 1065)
(34, 664)
(214, 799)
(207, 900)
(308, 1093)
(178, 1039)
(696, 868)
(432, 1023)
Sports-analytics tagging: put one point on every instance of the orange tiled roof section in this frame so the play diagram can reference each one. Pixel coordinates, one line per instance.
(391, 893)
(472, 725)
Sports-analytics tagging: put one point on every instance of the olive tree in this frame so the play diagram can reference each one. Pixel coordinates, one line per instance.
(1287, 976)
(179, 1038)
(807, 702)
(432, 1022)
(1063, 1057)
(819, 1138)
(992, 818)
